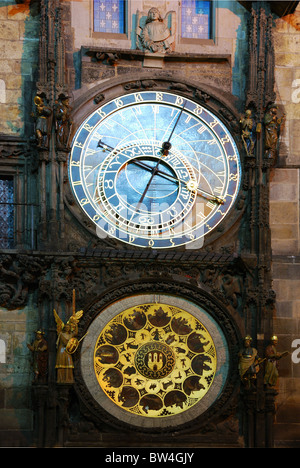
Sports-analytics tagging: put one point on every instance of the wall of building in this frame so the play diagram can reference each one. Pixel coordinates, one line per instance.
(284, 221)
(19, 33)
(19, 30)
(16, 416)
(230, 20)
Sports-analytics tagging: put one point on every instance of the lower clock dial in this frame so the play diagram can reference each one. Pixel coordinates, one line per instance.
(154, 361)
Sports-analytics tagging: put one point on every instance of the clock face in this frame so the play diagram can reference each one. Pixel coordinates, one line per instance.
(154, 360)
(154, 169)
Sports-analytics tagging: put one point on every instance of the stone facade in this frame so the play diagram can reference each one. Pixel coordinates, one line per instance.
(284, 222)
(56, 249)
(18, 59)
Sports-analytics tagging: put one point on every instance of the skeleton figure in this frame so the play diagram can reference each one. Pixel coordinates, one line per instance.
(247, 129)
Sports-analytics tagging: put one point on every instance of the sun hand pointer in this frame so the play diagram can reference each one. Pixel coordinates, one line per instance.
(193, 187)
(104, 146)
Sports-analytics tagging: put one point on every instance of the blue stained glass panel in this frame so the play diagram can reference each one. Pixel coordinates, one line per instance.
(109, 16)
(196, 19)
(6, 212)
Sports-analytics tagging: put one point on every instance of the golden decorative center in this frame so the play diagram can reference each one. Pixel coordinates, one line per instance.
(155, 360)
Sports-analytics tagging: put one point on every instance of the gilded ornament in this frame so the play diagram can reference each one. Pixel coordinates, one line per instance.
(248, 132)
(155, 360)
(248, 363)
(272, 362)
(66, 344)
(43, 122)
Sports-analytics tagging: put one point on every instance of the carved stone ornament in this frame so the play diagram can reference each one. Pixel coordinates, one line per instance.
(153, 33)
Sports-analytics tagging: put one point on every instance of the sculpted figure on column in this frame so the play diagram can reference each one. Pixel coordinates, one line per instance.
(272, 362)
(248, 363)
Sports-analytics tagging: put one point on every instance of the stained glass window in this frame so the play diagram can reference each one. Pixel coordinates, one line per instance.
(6, 212)
(196, 19)
(110, 16)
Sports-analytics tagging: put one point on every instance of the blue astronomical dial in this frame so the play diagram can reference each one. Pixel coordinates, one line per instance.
(154, 169)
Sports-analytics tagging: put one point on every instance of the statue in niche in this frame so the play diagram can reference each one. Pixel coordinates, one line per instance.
(272, 130)
(248, 363)
(66, 344)
(43, 122)
(272, 362)
(63, 122)
(248, 131)
(39, 349)
(154, 33)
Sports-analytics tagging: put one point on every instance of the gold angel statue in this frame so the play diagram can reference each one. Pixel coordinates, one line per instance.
(66, 344)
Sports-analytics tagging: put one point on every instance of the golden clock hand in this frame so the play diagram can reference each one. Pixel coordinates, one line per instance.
(193, 187)
(210, 196)
(202, 193)
(104, 146)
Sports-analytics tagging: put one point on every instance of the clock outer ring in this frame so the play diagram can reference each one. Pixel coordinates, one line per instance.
(148, 423)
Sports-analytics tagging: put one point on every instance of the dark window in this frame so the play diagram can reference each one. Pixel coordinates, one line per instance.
(6, 212)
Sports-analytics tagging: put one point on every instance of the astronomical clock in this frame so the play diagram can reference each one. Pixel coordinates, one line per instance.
(155, 171)
(146, 193)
